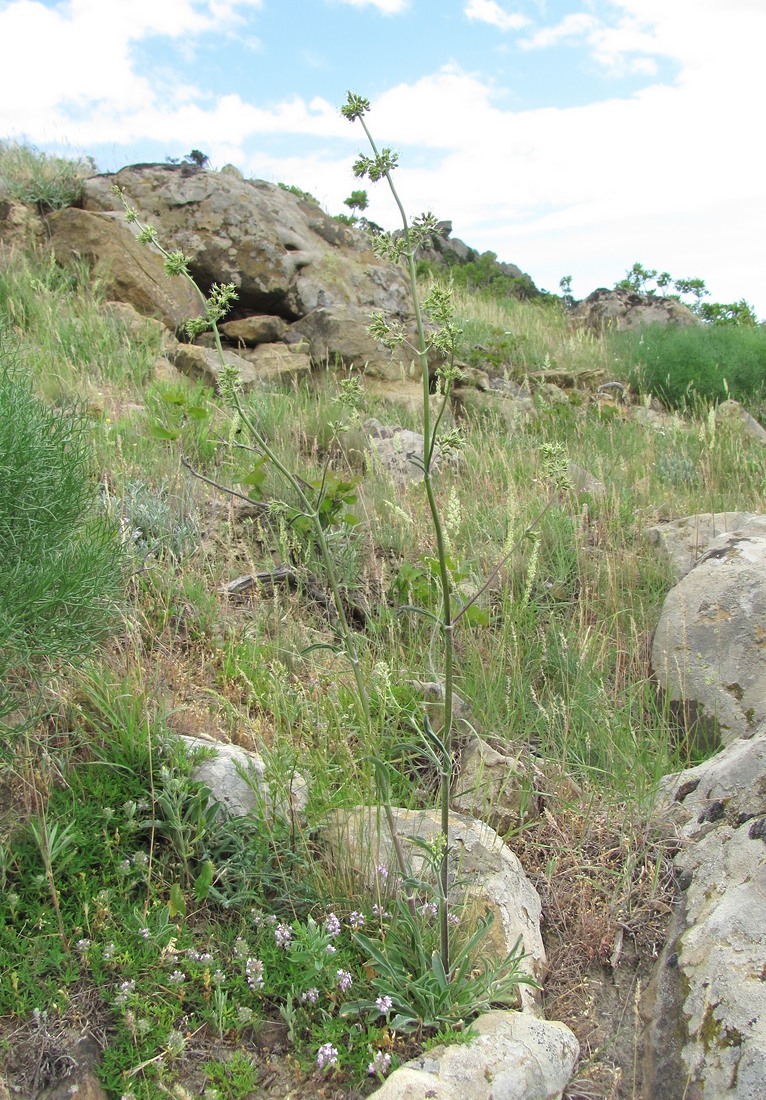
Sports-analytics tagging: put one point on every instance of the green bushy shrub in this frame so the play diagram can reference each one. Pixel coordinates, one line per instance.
(711, 362)
(60, 559)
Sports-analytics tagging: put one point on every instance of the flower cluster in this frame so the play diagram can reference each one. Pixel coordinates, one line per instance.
(380, 1064)
(327, 1055)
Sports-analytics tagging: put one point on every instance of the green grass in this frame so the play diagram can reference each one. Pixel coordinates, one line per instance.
(685, 364)
(49, 182)
(558, 667)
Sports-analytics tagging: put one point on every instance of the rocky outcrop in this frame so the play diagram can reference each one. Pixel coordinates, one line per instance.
(706, 1035)
(513, 1056)
(619, 310)
(709, 650)
(283, 253)
(130, 272)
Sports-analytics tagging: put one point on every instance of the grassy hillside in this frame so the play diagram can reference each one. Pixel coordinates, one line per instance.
(164, 910)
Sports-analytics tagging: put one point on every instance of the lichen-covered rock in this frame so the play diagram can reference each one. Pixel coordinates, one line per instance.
(283, 253)
(496, 787)
(706, 1038)
(684, 541)
(204, 364)
(397, 451)
(709, 650)
(236, 779)
(733, 415)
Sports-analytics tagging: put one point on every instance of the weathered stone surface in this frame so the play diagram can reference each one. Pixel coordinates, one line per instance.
(278, 362)
(491, 876)
(20, 224)
(397, 451)
(204, 364)
(709, 650)
(471, 403)
(514, 1056)
(257, 329)
(684, 541)
(730, 788)
(551, 394)
(284, 254)
(706, 1037)
(131, 272)
(337, 335)
(495, 787)
(584, 483)
(136, 323)
(732, 414)
(237, 780)
(619, 310)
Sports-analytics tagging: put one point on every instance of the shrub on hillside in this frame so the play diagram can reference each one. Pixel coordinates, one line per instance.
(60, 559)
(711, 362)
(483, 273)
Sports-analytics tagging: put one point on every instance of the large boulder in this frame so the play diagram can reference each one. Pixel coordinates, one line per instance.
(709, 649)
(131, 272)
(283, 253)
(706, 1009)
(619, 310)
(513, 1056)
(684, 541)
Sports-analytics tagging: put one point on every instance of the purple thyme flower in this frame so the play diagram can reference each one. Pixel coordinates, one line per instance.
(283, 933)
(332, 925)
(345, 981)
(327, 1055)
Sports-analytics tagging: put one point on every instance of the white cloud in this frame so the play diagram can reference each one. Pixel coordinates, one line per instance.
(574, 25)
(487, 11)
(388, 7)
(81, 54)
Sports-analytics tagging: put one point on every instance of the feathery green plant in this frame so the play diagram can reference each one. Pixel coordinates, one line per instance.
(60, 559)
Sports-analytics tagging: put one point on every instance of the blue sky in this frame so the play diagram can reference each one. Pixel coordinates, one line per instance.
(568, 137)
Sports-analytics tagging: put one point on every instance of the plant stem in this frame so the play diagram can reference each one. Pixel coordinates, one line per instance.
(446, 625)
